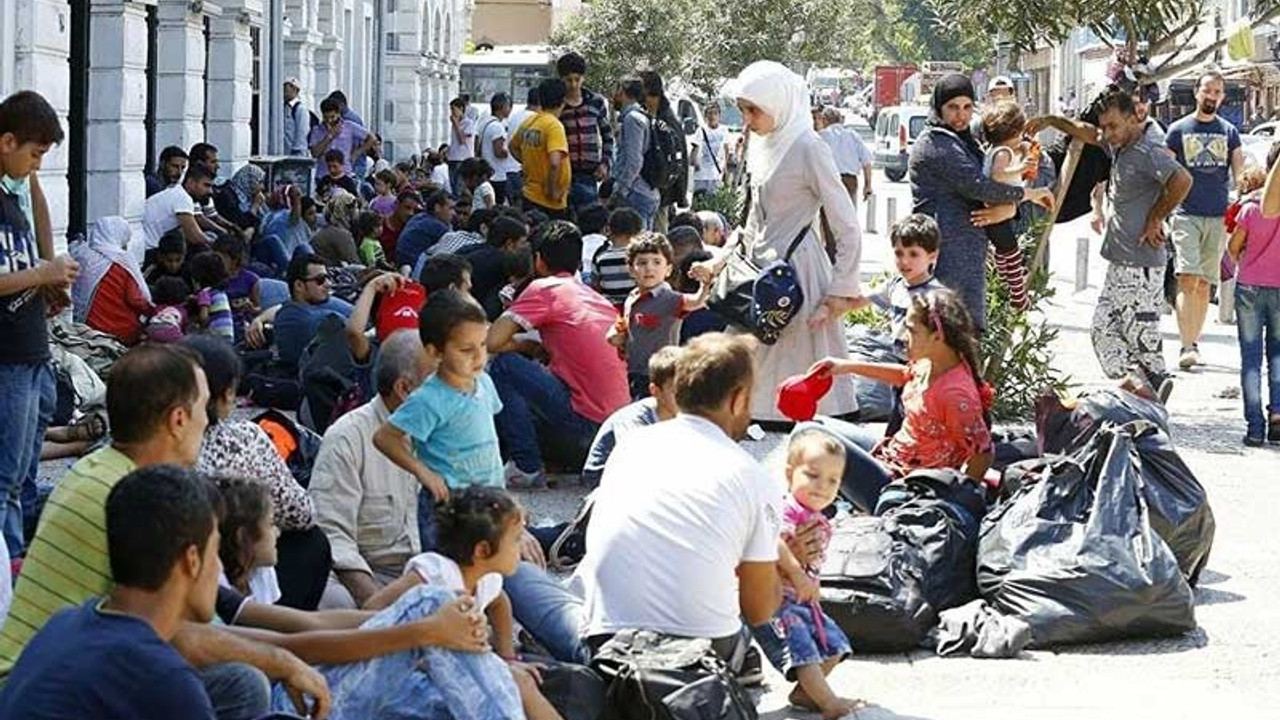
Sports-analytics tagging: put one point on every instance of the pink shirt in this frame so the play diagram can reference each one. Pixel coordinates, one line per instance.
(942, 423)
(1260, 261)
(794, 515)
(573, 321)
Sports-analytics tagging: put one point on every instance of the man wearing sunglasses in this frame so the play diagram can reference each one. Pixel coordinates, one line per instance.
(297, 320)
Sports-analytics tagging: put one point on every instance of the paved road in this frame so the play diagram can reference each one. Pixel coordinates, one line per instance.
(1226, 668)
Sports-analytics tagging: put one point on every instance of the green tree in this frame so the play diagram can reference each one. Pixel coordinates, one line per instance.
(1168, 27)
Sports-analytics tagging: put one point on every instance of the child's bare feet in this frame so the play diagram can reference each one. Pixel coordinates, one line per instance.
(837, 708)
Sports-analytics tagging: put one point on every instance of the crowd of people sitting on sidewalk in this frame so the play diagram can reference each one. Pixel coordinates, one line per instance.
(443, 344)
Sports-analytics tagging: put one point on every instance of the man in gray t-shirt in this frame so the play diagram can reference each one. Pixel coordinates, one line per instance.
(1146, 185)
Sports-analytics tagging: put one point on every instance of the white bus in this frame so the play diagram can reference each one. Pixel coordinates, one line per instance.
(511, 69)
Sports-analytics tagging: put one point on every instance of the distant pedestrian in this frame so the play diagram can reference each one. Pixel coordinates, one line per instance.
(543, 152)
(297, 119)
(1209, 147)
(630, 189)
(492, 141)
(586, 124)
(711, 159)
(337, 133)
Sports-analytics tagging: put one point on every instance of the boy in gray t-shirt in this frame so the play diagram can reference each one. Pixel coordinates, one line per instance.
(652, 312)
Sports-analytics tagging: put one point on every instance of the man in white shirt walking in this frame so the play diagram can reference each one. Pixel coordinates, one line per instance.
(851, 153)
(710, 159)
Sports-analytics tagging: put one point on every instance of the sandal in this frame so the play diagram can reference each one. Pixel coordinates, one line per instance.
(90, 428)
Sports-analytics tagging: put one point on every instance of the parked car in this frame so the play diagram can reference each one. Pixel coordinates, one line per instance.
(897, 128)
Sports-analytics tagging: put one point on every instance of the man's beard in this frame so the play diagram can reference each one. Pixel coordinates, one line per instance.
(1208, 107)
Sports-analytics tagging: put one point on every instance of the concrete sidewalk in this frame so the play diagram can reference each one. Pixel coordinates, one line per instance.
(1226, 668)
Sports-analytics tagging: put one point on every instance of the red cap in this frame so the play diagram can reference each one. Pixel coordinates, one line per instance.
(399, 310)
(798, 395)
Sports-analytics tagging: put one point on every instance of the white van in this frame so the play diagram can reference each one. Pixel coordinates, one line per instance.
(896, 130)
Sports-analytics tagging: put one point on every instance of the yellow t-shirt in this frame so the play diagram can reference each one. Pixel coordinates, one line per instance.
(538, 137)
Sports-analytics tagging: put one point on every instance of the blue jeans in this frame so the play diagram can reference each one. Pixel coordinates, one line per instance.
(515, 188)
(551, 614)
(864, 476)
(237, 691)
(1258, 328)
(532, 397)
(30, 396)
(426, 520)
(646, 205)
(427, 682)
(269, 249)
(583, 190)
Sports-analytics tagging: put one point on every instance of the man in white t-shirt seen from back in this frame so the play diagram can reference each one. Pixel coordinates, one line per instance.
(684, 531)
(710, 159)
(532, 104)
(176, 207)
(492, 139)
(852, 156)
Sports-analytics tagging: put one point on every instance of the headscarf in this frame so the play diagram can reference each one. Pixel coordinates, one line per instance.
(947, 89)
(341, 209)
(247, 182)
(106, 246)
(781, 93)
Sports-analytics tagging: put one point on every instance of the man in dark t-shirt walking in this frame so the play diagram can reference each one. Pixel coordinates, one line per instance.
(1209, 147)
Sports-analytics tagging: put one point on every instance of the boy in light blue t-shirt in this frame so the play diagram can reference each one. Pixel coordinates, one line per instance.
(450, 417)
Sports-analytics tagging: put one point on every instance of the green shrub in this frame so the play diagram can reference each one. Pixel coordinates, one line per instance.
(1017, 346)
(727, 200)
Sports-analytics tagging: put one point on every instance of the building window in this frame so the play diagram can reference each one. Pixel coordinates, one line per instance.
(255, 83)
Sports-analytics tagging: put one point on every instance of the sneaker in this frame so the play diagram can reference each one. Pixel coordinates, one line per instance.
(752, 672)
(1164, 389)
(1188, 358)
(1253, 442)
(517, 479)
(1195, 348)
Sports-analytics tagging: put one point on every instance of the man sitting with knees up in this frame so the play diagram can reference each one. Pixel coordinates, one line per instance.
(680, 484)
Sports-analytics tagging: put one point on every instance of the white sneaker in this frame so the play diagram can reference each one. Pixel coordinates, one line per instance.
(1188, 358)
(517, 479)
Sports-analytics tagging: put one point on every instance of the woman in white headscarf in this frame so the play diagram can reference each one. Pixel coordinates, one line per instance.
(792, 175)
(110, 293)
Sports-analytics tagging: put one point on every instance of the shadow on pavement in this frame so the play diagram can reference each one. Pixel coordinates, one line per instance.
(871, 713)
(1210, 596)
(1194, 640)
(1212, 577)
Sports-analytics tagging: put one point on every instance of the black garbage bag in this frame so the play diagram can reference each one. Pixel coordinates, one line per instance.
(1075, 555)
(886, 577)
(1179, 506)
(872, 587)
(875, 399)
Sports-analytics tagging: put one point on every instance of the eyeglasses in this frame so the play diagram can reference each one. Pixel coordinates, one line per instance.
(319, 279)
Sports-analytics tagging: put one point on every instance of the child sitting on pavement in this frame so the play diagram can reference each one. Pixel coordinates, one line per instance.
(609, 272)
(213, 307)
(479, 544)
(366, 228)
(449, 418)
(915, 241)
(649, 321)
(945, 400)
(802, 642)
(659, 406)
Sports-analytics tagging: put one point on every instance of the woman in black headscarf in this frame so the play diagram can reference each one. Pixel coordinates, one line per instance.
(948, 184)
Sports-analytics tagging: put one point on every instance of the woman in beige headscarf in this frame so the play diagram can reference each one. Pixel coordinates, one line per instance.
(792, 175)
(334, 243)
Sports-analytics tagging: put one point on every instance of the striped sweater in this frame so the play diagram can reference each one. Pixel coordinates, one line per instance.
(589, 132)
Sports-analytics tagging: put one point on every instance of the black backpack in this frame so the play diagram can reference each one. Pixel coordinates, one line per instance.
(666, 159)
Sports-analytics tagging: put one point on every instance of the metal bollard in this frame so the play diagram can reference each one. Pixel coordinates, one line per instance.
(1082, 263)
(871, 214)
(891, 212)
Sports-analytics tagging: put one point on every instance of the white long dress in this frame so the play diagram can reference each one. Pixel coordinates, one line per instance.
(805, 180)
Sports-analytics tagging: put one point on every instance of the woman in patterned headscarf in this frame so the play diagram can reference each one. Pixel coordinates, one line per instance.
(241, 200)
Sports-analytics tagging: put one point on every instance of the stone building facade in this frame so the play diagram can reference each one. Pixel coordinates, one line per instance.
(130, 77)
